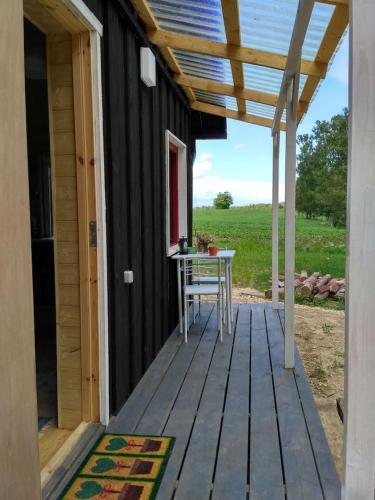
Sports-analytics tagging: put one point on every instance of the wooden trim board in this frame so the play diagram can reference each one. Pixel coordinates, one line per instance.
(85, 166)
(101, 227)
(65, 208)
(61, 16)
(18, 409)
(235, 115)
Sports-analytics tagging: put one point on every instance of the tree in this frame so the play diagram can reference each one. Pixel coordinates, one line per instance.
(322, 170)
(223, 200)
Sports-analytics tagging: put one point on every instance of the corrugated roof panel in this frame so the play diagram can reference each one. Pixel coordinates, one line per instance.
(269, 25)
(264, 110)
(202, 18)
(204, 96)
(265, 25)
(212, 68)
(219, 100)
(319, 21)
(266, 79)
(231, 103)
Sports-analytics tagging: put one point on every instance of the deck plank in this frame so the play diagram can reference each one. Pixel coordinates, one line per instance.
(326, 467)
(230, 482)
(182, 416)
(266, 476)
(156, 414)
(197, 471)
(199, 392)
(129, 416)
(301, 476)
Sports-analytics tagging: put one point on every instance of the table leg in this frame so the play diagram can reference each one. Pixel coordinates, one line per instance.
(227, 293)
(230, 289)
(179, 295)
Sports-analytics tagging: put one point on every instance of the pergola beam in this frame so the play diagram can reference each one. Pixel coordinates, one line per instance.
(145, 13)
(335, 31)
(335, 2)
(293, 65)
(232, 91)
(231, 17)
(190, 43)
(235, 115)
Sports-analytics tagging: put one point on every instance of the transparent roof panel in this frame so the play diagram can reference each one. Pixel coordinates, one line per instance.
(212, 68)
(202, 18)
(204, 96)
(218, 100)
(319, 21)
(263, 110)
(269, 25)
(265, 25)
(266, 79)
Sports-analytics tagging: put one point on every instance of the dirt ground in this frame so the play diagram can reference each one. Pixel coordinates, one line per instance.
(320, 340)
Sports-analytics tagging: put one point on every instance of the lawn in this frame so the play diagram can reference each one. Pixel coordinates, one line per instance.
(319, 246)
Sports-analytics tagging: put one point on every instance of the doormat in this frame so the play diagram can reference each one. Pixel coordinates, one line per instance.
(121, 467)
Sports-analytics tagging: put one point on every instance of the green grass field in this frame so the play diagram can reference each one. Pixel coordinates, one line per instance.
(319, 246)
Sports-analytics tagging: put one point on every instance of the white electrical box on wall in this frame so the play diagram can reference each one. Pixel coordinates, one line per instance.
(148, 69)
(128, 277)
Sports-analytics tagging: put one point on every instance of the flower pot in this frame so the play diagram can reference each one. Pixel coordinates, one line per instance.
(213, 250)
(200, 247)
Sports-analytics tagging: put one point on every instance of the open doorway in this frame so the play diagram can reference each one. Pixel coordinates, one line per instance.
(62, 150)
(40, 191)
(51, 437)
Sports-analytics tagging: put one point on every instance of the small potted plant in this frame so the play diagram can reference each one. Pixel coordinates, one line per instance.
(212, 249)
(203, 241)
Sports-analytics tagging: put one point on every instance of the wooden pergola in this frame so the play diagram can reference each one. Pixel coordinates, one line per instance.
(290, 67)
(232, 50)
(178, 44)
(300, 81)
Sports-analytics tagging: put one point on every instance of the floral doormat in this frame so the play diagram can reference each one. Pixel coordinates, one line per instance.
(121, 467)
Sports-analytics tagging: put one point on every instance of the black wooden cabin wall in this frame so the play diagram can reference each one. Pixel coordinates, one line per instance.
(141, 315)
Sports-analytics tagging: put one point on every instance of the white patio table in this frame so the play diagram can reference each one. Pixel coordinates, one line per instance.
(227, 257)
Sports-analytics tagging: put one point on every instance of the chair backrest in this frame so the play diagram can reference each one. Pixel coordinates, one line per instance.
(202, 268)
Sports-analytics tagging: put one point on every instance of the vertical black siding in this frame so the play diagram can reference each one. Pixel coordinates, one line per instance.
(143, 314)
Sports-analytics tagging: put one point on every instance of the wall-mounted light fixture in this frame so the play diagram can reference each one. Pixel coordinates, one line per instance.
(148, 69)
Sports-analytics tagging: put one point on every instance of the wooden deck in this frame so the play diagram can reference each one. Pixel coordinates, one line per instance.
(245, 427)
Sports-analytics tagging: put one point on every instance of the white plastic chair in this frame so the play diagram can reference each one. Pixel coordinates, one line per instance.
(206, 269)
(203, 276)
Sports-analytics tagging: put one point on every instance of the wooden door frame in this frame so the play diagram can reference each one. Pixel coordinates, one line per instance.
(75, 18)
(18, 410)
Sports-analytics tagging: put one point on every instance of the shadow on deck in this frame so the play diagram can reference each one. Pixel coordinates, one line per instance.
(245, 427)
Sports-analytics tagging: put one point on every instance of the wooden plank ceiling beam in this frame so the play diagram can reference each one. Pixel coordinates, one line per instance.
(235, 115)
(150, 21)
(190, 43)
(293, 65)
(335, 2)
(231, 17)
(335, 31)
(232, 91)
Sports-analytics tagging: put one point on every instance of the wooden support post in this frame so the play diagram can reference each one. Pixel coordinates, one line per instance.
(290, 198)
(18, 408)
(294, 62)
(275, 221)
(359, 461)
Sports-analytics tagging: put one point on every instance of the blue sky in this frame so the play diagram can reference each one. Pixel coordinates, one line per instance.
(242, 164)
